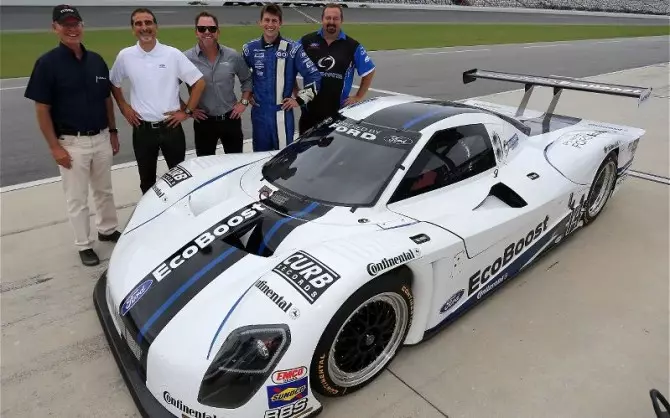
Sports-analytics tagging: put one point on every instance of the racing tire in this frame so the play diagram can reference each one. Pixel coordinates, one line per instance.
(364, 335)
(601, 188)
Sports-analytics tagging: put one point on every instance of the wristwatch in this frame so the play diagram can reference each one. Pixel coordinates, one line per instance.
(188, 111)
(245, 102)
(113, 131)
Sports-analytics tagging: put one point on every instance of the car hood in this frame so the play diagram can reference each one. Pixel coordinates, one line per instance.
(201, 255)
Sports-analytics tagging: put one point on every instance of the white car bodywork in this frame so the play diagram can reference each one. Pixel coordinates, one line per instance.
(460, 241)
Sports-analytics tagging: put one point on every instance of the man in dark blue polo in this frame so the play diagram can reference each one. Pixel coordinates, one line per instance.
(72, 94)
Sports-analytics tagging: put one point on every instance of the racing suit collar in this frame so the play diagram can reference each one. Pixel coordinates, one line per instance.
(274, 43)
(341, 36)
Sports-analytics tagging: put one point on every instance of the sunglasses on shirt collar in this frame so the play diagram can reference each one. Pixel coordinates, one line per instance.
(211, 29)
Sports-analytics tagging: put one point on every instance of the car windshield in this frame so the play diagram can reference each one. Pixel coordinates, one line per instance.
(342, 162)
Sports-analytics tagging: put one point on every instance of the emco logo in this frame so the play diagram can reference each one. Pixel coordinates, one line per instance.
(289, 375)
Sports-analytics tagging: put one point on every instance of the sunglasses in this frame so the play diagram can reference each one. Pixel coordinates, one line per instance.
(211, 29)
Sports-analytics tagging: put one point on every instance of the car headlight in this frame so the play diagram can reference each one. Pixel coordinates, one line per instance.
(243, 363)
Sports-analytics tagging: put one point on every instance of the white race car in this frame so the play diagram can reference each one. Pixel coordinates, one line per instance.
(247, 285)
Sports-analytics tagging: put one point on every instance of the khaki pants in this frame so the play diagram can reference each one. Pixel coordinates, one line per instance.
(91, 164)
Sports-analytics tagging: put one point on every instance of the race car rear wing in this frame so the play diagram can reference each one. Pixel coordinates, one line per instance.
(558, 83)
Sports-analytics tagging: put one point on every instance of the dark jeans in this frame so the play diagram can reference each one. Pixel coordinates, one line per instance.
(148, 138)
(208, 132)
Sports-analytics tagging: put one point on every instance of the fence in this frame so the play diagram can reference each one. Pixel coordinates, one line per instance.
(658, 7)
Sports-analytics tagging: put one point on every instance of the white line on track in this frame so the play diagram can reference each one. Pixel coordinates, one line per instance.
(13, 88)
(305, 14)
(545, 46)
(450, 52)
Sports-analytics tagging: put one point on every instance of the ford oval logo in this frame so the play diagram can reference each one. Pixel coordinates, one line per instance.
(453, 300)
(135, 295)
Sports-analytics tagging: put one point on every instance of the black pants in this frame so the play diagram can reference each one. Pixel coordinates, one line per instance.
(148, 138)
(208, 132)
(308, 119)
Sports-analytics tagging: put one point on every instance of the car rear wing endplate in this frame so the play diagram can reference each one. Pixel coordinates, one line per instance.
(558, 83)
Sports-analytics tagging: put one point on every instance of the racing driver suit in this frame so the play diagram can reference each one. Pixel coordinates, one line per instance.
(275, 67)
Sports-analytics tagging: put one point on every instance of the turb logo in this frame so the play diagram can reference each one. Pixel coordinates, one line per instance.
(388, 263)
(176, 175)
(307, 275)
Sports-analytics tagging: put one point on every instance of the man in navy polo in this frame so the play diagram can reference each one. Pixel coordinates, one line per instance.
(72, 94)
(336, 56)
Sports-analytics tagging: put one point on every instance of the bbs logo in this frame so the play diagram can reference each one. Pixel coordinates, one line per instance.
(306, 274)
(289, 410)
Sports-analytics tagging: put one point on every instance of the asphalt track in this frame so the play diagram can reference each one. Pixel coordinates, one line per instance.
(25, 17)
(429, 73)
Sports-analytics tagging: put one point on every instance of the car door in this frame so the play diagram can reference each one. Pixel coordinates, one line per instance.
(455, 183)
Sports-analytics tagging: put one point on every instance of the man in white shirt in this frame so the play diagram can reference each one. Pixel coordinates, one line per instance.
(155, 110)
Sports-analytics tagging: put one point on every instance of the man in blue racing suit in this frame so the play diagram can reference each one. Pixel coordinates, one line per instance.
(275, 62)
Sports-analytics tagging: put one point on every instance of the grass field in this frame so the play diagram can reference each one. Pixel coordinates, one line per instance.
(18, 50)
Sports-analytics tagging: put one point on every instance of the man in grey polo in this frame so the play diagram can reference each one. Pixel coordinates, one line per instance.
(219, 112)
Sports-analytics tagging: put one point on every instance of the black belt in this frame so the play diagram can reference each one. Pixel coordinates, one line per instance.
(153, 125)
(219, 117)
(79, 133)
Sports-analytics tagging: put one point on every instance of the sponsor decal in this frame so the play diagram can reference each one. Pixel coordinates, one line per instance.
(326, 63)
(420, 239)
(277, 299)
(632, 147)
(203, 240)
(289, 375)
(322, 376)
(581, 139)
(290, 410)
(399, 140)
(307, 275)
(135, 295)
(511, 143)
(264, 192)
(575, 217)
(185, 408)
(369, 100)
(452, 301)
(176, 175)
(287, 393)
(157, 190)
(357, 131)
(480, 277)
(533, 176)
(573, 83)
(385, 264)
